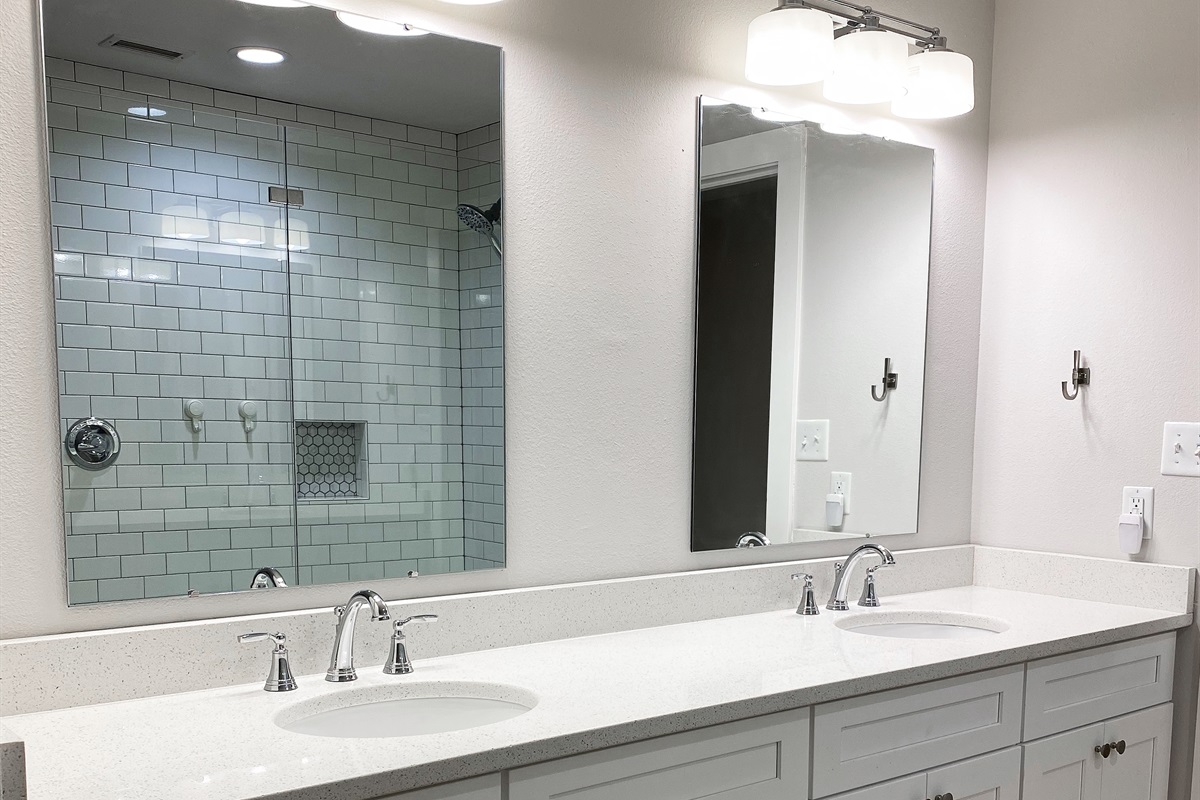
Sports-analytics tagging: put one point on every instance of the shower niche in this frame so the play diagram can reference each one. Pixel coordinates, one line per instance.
(281, 286)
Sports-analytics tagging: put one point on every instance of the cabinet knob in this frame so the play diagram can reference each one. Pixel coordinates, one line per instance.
(1120, 747)
(1105, 750)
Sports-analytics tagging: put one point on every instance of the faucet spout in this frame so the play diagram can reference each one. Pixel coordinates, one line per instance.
(841, 581)
(341, 663)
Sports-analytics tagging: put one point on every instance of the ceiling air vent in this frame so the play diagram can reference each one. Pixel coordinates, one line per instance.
(142, 47)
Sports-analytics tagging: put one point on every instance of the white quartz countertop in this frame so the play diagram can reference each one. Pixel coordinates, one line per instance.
(596, 691)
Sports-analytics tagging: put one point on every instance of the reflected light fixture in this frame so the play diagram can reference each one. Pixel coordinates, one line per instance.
(277, 3)
(260, 55)
(864, 61)
(869, 65)
(380, 26)
(146, 111)
(789, 46)
(940, 84)
(243, 228)
(185, 222)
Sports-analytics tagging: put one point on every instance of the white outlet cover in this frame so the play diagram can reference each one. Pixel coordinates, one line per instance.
(1181, 449)
(841, 480)
(812, 440)
(1146, 493)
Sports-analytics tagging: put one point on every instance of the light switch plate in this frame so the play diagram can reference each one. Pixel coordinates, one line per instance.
(812, 440)
(1181, 449)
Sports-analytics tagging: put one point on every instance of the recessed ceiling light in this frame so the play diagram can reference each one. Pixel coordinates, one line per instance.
(277, 3)
(146, 111)
(260, 55)
(380, 26)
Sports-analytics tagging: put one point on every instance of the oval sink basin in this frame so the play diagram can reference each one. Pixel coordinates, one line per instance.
(414, 709)
(923, 625)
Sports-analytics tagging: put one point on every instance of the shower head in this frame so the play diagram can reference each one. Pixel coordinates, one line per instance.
(480, 221)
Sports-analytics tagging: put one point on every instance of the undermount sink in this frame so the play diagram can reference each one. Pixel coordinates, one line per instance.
(411, 709)
(923, 625)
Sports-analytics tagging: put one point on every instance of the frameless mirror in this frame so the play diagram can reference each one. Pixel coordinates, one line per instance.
(812, 286)
(279, 299)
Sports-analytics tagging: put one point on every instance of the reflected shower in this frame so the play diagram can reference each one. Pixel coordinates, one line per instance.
(481, 221)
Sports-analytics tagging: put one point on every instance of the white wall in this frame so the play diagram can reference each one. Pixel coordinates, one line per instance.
(600, 171)
(1092, 208)
(866, 268)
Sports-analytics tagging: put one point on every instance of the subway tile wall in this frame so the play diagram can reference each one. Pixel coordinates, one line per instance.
(176, 279)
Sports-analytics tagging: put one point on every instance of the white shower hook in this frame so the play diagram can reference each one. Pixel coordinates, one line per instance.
(194, 411)
(1080, 376)
(248, 411)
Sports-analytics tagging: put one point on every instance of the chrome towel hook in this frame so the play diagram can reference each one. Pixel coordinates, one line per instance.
(1080, 376)
(889, 382)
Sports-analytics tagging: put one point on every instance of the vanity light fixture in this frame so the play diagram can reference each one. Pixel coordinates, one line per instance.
(864, 61)
(380, 26)
(260, 55)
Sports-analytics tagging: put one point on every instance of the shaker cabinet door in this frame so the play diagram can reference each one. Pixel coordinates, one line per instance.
(484, 788)
(1141, 772)
(1064, 767)
(996, 776)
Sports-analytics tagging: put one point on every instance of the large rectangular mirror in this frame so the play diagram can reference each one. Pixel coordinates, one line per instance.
(279, 299)
(812, 286)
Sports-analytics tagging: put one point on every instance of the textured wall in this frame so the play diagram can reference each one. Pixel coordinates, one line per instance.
(1092, 208)
(599, 182)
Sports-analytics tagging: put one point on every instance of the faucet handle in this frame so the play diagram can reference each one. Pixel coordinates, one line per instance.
(869, 597)
(400, 623)
(280, 678)
(398, 662)
(808, 604)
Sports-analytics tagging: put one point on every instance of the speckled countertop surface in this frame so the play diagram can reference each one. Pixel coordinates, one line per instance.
(597, 691)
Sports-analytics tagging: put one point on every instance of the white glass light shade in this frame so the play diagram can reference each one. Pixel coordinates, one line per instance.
(241, 228)
(940, 84)
(185, 222)
(789, 47)
(294, 237)
(869, 66)
(380, 26)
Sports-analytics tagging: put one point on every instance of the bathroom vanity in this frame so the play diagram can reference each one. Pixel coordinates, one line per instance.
(1032, 696)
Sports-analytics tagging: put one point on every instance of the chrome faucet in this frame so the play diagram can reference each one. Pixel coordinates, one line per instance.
(841, 580)
(398, 662)
(267, 578)
(341, 663)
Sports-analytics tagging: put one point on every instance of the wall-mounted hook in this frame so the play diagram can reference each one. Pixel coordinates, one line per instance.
(248, 411)
(890, 380)
(193, 410)
(1080, 376)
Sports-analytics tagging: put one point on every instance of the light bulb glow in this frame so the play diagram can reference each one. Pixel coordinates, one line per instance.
(789, 47)
(293, 236)
(277, 3)
(242, 228)
(260, 55)
(869, 66)
(379, 26)
(185, 222)
(146, 111)
(940, 84)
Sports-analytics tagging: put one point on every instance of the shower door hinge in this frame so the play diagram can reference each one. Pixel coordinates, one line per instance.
(285, 196)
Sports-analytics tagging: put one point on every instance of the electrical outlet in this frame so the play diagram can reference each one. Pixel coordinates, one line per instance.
(839, 483)
(1181, 449)
(1140, 500)
(812, 440)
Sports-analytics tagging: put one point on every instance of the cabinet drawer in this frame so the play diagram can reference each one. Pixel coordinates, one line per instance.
(484, 788)
(1081, 688)
(870, 739)
(757, 759)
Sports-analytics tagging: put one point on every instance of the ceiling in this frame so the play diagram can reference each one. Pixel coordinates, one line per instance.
(430, 81)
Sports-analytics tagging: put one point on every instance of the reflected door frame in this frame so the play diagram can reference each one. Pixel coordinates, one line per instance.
(782, 153)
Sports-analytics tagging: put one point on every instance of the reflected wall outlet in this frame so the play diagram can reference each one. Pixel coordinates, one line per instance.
(1140, 500)
(839, 483)
(1181, 449)
(812, 440)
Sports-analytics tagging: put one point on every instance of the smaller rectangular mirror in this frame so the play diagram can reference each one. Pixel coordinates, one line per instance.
(812, 273)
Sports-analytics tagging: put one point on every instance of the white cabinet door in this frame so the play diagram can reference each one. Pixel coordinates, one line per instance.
(1064, 767)
(910, 788)
(484, 788)
(992, 777)
(757, 759)
(1141, 772)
